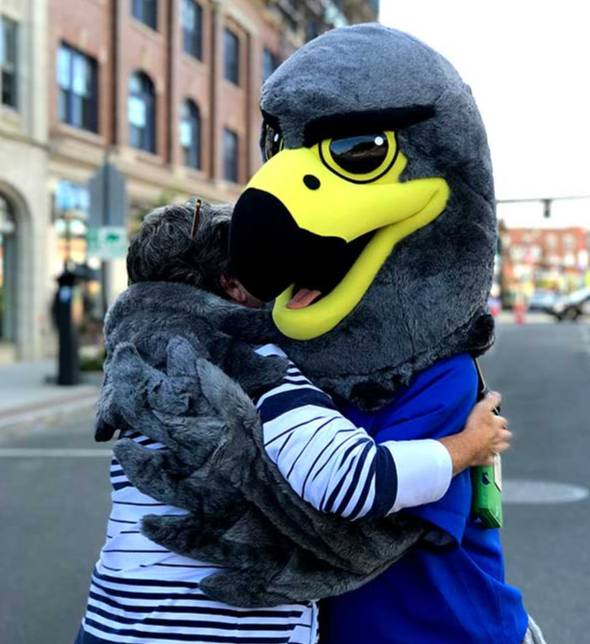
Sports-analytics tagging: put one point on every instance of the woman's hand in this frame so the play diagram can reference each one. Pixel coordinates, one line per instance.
(485, 436)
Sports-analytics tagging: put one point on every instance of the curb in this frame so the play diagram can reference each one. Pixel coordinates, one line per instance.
(52, 410)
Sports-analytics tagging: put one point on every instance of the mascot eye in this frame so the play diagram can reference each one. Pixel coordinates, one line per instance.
(272, 141)
(361, 158)
(359, 154)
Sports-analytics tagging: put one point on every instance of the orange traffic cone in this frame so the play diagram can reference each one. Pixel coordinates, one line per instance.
(519, 311)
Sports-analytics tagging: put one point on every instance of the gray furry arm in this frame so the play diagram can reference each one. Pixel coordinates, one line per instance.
(242, 514)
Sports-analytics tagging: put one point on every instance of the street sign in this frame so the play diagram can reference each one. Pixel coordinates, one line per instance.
(108, 198)
(107, 242)
(107, 223)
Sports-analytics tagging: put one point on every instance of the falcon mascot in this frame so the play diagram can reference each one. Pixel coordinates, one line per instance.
(371, 227)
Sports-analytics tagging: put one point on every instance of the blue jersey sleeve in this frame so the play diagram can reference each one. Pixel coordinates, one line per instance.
(436, 404)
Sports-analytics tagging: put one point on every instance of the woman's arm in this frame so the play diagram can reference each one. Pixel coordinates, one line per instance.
(337, 467)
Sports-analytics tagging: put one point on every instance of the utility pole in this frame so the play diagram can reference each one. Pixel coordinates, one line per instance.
(107, 224)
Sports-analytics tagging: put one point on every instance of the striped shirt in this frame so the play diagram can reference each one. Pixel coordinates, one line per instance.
(143, 593)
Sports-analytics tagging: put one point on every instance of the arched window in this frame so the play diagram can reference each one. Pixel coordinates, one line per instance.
(141, 112)
(190, 134)
(8, 272)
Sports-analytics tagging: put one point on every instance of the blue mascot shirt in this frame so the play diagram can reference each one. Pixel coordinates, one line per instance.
(457, 595)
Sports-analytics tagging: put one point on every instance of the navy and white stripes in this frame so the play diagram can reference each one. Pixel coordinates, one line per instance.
(142, 593)
(336, 466)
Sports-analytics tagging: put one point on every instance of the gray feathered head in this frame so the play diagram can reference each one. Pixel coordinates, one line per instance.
(372, 221)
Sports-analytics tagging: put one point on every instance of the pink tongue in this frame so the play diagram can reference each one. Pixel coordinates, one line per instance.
(304, 297)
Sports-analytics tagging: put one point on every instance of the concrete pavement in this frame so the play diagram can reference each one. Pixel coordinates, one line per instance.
(27, 394)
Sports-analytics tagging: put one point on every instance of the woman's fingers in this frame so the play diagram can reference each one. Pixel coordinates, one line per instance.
(501, 421)
(492, 400)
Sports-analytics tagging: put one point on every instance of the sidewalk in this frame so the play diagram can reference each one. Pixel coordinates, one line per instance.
(26, 396)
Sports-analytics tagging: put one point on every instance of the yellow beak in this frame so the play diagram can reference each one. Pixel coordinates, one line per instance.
(328, 205)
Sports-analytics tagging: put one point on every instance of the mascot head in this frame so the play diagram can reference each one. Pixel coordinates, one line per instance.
(371, 223)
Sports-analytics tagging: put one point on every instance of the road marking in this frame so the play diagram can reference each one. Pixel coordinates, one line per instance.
(585, 333)
(530, 492)
(50, 452)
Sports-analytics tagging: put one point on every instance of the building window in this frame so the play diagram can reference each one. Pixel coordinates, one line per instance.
(72, 197)
(8, 61)
(269, 63)
(78, 96)
(141, 112)
(71, 207)
(192, 20)
(190, 135)
(569, 242)
(231, 156)
(146, 11)
(231, 48)
(8, 272)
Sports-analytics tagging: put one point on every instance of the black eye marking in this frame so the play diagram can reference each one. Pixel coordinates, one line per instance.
(360, 154)
(363, 158)
(311, 182)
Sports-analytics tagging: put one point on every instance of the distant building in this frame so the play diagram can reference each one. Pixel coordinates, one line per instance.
(167, 88)
(544, 258)
(24, 195)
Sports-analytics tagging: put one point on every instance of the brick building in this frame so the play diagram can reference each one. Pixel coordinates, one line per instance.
(544, 258)
(166, 89)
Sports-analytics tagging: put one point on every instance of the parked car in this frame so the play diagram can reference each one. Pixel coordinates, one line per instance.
(542, 299)
(571, 306)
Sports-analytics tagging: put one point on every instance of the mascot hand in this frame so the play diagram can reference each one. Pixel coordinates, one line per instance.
(271, 573)
(199, 415)
(193, 409)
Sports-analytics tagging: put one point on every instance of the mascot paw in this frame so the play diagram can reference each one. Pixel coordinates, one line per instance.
(245, 588)
(238, 537)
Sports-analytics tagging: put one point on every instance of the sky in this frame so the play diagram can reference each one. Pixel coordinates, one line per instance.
(528, 64)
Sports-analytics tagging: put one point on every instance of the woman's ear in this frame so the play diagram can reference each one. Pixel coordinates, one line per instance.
(234, 289)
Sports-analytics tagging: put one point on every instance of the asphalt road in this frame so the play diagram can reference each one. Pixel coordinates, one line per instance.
(54, 497)
(543, 372)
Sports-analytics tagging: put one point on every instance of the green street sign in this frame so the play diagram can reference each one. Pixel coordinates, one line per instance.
(107, 242)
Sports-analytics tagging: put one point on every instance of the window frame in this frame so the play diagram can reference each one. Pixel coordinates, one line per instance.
(9, 243)
(144, 138)
(268, 54)
(192, 39)
(9, 69)
(141, 12)
(231, 71)
(231, 166)
(191, 115)
(75, 108)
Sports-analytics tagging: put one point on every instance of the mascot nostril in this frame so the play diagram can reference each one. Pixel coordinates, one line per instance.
(311, 182)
